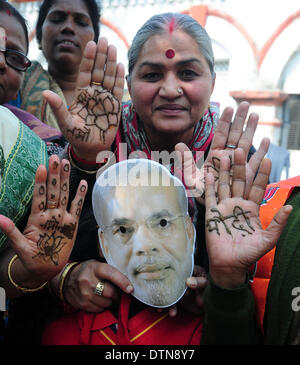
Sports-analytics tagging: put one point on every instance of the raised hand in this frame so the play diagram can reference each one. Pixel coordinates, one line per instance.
(46, 243)
(91, 122)
(228, 136)
(234, 236)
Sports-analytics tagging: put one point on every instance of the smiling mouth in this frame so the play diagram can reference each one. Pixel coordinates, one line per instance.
(67, 44)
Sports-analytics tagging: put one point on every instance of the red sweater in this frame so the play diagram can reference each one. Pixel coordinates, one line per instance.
(147, 327)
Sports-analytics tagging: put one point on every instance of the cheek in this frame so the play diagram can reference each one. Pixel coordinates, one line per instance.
(199, 97)
(143, 100)
(15, 79)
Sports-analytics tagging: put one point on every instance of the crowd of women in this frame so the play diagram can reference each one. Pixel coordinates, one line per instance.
(53, 125)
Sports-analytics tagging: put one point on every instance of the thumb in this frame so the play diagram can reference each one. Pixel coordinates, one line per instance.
(17, 240)
(277, 225)
(187, 163)
(59, 109)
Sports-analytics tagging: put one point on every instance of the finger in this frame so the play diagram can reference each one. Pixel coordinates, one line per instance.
(197, 282)
(254, 163)
(239, 173)
(17, 240)
(53, 182)
(39, 192)
(87, 65)
(109, 294)
(64, 183)
(222, 130)
(246, 139)
(258, 187)
(210, 195)
(172, 311)
(275, 228)
(236, 128)
(99, 66)
(110, 273)
(186, 164)
(77, 203)
(119, 82)
(111, 66)
(224, 191)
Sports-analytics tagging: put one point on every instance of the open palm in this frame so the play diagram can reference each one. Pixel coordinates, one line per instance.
(228, 136)
(92, 120)
(234, 236)
(46, 243)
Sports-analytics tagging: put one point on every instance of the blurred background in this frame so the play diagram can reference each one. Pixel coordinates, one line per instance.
(257, 57)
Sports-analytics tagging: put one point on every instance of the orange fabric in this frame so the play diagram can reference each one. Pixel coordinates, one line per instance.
(276, 195)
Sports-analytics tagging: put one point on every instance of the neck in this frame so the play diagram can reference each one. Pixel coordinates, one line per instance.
(67, 83)
(167, 141)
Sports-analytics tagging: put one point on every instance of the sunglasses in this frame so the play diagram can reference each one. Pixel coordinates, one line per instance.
(15, 59)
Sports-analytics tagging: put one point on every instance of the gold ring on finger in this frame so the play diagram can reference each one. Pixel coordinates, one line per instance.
(96, 83)
(51, 204)
(99, 288)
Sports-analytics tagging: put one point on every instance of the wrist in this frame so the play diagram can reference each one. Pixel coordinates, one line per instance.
(82, 163)
(22, 279)
(228, 278)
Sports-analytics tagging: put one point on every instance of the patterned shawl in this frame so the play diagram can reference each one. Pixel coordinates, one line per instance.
(36, 80)
(21, 152)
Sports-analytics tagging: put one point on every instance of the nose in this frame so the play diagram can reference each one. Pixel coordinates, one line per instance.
(68, 25)
(169, 87)
(144, 244)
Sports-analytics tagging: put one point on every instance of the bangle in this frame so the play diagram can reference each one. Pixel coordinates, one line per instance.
(77, 167)
(17, 286)
(62, 279)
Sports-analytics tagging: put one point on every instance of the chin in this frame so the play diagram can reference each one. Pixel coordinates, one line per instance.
(159, 293)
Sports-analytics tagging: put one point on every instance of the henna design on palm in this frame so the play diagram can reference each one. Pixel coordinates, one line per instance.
(98, 109)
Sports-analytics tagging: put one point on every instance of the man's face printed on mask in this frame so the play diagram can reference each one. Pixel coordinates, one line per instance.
(145, 230)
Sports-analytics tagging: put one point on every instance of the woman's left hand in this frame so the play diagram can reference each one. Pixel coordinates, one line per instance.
(91, 122)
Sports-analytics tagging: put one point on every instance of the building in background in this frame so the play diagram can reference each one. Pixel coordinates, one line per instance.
(257, 54)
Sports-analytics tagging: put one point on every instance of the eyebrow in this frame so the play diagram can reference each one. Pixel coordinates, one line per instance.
(121, 221)
(163, 213)
(179, 63)
(63, 12)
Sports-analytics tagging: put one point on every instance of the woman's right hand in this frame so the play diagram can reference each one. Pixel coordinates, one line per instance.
(79, 287)
(92, 121)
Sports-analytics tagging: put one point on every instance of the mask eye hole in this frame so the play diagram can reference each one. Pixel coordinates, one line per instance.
(123, 229)
(163, 222)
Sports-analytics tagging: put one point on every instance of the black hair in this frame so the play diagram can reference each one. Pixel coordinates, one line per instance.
(93, 9)
(9, 9)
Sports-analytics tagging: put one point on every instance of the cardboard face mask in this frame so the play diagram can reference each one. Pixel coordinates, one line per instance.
(145, 230)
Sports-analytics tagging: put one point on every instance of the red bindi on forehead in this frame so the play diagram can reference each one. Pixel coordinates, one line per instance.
(170, 53)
